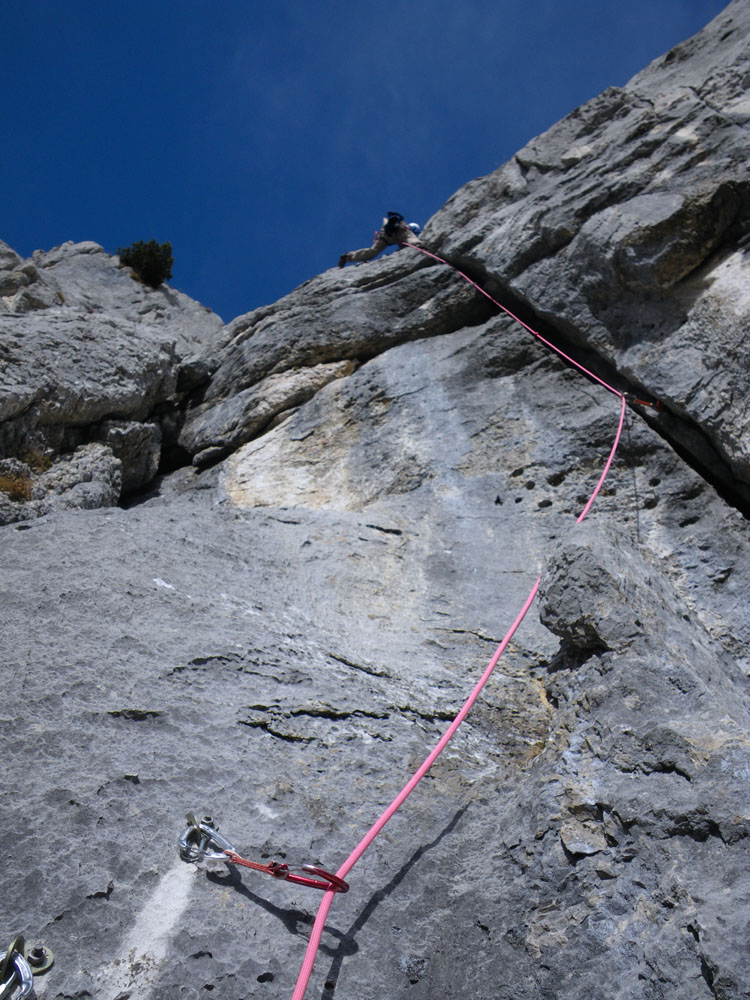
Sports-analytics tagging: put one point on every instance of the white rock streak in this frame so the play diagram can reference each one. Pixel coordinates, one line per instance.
(135, 970)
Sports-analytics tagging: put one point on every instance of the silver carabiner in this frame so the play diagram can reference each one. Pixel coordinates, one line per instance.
(201, 841)
(19, 974)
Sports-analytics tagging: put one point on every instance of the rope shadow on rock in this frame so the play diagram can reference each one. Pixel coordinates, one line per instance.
(348, 945)
(294, 920)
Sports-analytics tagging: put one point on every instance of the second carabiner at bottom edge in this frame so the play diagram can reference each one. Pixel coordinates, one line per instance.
(21, 972)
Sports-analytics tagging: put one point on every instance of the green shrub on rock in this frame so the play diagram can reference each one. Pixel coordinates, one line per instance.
(151, 261)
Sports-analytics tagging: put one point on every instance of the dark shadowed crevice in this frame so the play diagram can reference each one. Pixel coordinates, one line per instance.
(686, 438)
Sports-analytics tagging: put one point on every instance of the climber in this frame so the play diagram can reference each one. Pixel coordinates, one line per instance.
(394, 231)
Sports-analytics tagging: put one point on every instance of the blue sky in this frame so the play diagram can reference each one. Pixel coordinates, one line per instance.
(263, 138)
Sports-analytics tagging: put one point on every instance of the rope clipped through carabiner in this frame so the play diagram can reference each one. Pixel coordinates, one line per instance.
(201, 841)
(634, 400)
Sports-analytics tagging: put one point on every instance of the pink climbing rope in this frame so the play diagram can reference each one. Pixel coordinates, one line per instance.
(325, 904)
(603, 476)
(359, 850)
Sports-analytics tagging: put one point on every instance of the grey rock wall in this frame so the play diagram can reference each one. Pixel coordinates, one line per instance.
(372, 474)
(95, 351)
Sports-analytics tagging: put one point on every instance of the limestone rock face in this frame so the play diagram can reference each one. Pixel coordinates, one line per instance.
(364, 481)
(82, 345)
(318, 326)
(91, 476)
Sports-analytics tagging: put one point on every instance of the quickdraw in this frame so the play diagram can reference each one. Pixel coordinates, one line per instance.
(632, 399)
(201, 841)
